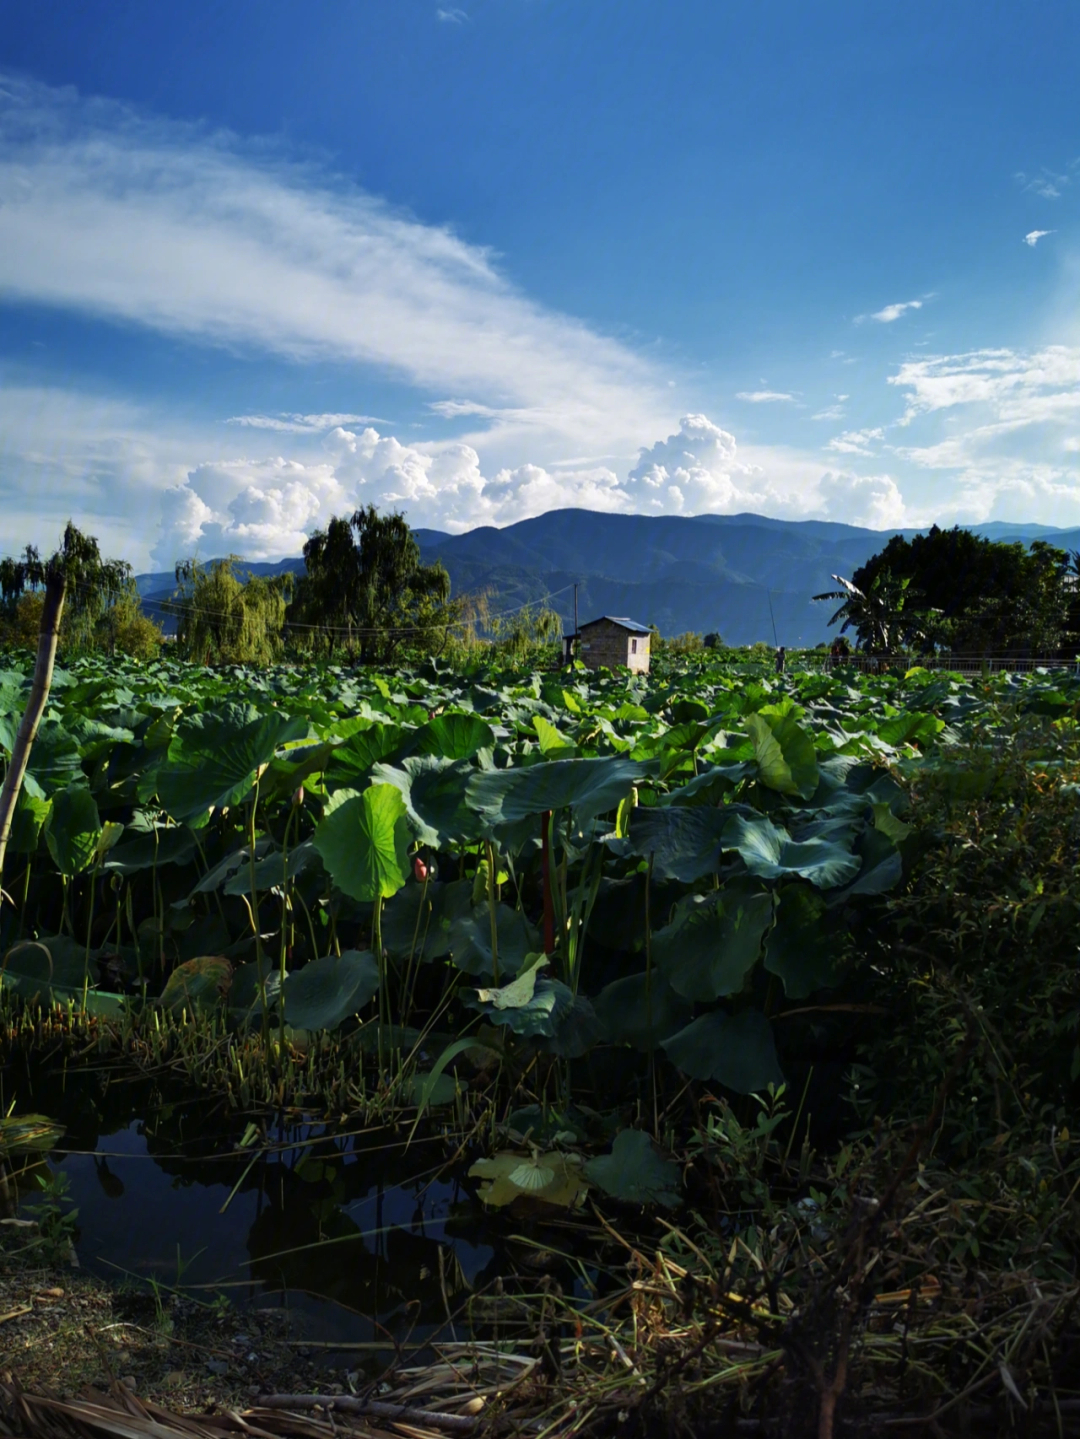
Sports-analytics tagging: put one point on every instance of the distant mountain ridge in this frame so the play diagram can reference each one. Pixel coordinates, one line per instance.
(746, 577)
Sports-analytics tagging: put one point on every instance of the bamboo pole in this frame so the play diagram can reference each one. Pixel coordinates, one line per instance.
(55, 587)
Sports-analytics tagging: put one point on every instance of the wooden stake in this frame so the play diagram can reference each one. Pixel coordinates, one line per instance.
(55, 587)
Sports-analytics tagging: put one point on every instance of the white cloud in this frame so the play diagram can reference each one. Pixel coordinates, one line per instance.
(854, 442)
(891, 312)
(452, 17)
(1046, 183)
(166, 226)
(1033, 237)
(1003, 423)
(265, 508)
(300, 424)
(763, 397)
(831, 412)
(871, 500)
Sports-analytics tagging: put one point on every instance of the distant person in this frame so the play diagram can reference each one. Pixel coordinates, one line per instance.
(836, 654)
(781, 660)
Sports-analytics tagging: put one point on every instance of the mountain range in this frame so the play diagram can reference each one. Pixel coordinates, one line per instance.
(745, 577)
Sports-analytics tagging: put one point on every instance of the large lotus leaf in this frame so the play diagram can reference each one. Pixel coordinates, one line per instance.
(771, 853)
(73, 829)
(199, 983)
(27, 821)
(685, 841)
(453, 736)
(640, 1010)
(54, 761)
(364, 842)
(273, 871)
(714, 940)
(351, 763)
(587, 786)
(233, 861)
(881, 867)
(787, 759)
(54, 971)
(634, 1172)
(737, 1050)
(326, 991)
(214, 759)
(803, 948)
(470, 940)
(538, 1016)
(173, 845)
(434, 793)
(909, 728)
(518, 994)
(418, 920)
(578, 1030)
(553, 1178)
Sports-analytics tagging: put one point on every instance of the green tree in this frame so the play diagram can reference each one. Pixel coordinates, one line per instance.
(222, 619)
(367, 589)
(976, 595)
(102, 608)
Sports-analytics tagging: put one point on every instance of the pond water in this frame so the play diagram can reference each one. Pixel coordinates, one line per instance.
(359, 1235)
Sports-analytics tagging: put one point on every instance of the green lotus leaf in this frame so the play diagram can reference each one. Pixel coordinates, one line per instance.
(470, 940)
(587, 786)
(736, 1050)
(418, 920)
(215, 758)
(326, 991)
(351, 764)
(640, 1010)
(785, 752)
(434, 793)
(540, 1016)
(771, 853)
(803, 948)
(364, 842)
(685, 841)
(634, 1171)
(174, 844)
(30, 815)
(73, 829)
(566, 1188)
(714, 940)
(453, 737)
(273, 870)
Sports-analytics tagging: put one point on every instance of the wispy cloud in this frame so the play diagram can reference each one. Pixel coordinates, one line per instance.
(165, 226)
(1033, 237)
(831, 412)
(763, 397)
(890, 312)
(452, 17)
(301, 424)
(1047, 183)
(854, 442)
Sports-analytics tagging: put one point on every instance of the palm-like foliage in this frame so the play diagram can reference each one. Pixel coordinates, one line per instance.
(880, 615)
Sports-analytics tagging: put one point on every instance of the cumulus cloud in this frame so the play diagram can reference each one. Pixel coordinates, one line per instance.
(165, 226)
(871, 500)
(264, 509)
(762, 397)
(1033, 237)
(890, 312)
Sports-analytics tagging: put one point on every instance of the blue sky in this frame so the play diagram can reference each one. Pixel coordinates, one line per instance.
(261, 262)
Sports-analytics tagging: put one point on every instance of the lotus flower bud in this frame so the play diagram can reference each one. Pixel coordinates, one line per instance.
(419, 869)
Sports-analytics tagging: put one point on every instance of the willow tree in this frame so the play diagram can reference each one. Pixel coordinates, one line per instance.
(367, 589)
(222, 619)
(102, 609)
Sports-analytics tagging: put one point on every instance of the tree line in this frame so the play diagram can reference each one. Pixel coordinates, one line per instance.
(958, 592)
(365, 596)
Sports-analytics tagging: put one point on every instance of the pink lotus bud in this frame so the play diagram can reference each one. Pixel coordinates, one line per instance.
(298, 797)
(419, 869)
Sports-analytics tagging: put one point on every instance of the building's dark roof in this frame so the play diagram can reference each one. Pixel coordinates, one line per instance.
(623, 623)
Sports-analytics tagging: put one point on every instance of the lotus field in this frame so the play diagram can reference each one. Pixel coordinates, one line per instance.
(573, 903)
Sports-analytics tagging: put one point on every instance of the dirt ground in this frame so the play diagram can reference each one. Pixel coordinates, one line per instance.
(62, 1329)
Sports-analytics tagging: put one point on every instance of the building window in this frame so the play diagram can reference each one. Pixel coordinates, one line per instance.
(633, 647)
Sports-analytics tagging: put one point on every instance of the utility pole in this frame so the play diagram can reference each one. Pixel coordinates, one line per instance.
(575, 610)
